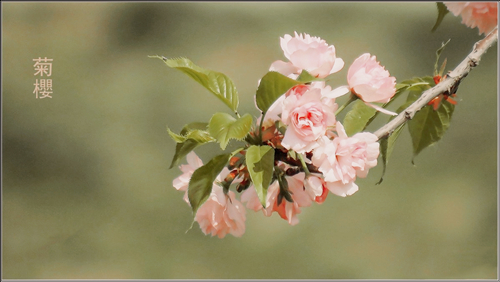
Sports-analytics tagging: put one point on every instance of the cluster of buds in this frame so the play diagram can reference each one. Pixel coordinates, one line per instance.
(238, 170)
(436, 101)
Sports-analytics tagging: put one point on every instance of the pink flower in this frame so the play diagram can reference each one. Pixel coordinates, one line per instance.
(220, 215)
(287, 210)
(307, 117)
(344, 158)
(370, 81)
(482, 15)
(285, 68)
(301, 195)
(315, 185)
(327, 97)
(181, 183)
(310, 53)
(250, 197)
(295, 183)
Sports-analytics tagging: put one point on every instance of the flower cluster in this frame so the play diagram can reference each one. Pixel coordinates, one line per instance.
(311, 153)
(299, 149)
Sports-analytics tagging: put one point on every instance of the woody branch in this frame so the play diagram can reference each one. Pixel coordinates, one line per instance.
(451, 82)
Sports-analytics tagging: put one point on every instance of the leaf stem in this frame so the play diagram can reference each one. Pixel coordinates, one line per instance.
(304, 166)
(352, 98)
(260, 127)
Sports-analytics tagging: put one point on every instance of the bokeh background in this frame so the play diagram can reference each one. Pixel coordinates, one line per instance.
(87, 192)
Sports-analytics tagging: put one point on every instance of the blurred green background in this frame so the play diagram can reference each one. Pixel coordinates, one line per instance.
(87, 192)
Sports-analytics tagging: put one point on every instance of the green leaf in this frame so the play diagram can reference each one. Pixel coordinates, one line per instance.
(416, 88)
(306, 77)
(202, 180)
(429, 80)
(417, 84)
(428, 126)
(442, 11)
(284, 188)
(386, 147)
(387, 144)
(356, 119)
(390, 144)
(412, 97)
(191, 136)
(194, 125)
(176, 137)
(438, 54)
(271, 87)
(281, 127)
(217, 83)
(223, 127)
(235, 152)
(361, 115)
(182, 149)
(260, 164)
(200, 136)
(401, 87)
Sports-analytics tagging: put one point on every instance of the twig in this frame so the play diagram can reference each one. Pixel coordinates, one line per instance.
(451, 82)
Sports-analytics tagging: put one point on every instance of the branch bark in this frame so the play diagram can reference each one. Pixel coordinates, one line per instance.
(451, 82)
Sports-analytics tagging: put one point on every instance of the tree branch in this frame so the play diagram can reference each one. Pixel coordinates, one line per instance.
(451, 82)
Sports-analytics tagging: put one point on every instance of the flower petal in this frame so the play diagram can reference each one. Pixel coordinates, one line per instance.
(380, 109)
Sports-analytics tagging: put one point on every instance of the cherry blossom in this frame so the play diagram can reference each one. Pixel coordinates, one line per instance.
(483, 15)
(312, 54)
(181, 183)
(344, 158)
(307, 117)
(371, 82)
(221, 214)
